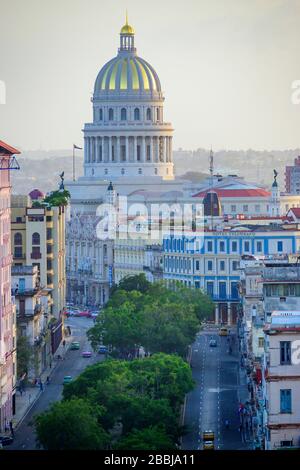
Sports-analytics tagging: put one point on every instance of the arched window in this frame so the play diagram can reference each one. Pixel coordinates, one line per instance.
(36, 239)
(148, 115)
(122, 171)
(123, 114)
(18, 238)
(110, 114)
(105, 171)
(100, 114)
(140, 171)
(136, 114)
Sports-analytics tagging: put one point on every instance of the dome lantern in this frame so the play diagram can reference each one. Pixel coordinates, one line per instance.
(127, 37)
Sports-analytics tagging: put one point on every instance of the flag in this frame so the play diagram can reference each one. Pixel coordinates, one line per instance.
(75, 147)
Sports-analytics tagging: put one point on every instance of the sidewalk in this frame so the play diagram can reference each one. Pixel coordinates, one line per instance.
(26, 401)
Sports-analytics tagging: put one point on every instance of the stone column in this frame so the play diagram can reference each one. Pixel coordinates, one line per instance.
(109, 150)
(151, 150)
(165, 156)
(168, 149)
(134, 149)
(229, 319)
(143, 152)
(97, 150)
(85, 150)
(217, 318)
(157, 150)
(89, 149)
(127, 149)
(100, 151)
(118, 156)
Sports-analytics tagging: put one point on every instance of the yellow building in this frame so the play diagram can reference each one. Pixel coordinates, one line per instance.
(38, 239)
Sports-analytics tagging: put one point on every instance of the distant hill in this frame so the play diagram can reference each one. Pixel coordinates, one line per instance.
(43, 173)
(41, 169)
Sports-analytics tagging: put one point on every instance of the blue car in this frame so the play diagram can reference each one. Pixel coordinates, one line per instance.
(102, 350)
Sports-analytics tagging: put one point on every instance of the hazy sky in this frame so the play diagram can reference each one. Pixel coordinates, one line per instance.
(226, 68)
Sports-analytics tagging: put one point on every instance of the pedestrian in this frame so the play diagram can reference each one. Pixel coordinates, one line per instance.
(41, 386)
(48, 380)
(64, 343)
(11, 428)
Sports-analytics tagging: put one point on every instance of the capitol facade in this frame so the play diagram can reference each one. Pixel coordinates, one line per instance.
(128, 135)
(127, 143)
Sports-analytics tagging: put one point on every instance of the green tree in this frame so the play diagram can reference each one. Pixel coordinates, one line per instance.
(119, 327)
(129, 283)
(169, 328)
(152, 438)
(58, 198)
(24, 356)
(70, 425)
(151, 315)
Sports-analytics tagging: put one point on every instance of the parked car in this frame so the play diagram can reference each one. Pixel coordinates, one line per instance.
(213, 343)
(86, 354)
(84, 313)
(75, 345)
(67, 379)
(102, 349)
(69, 313)
(223, 331)
(6, 440)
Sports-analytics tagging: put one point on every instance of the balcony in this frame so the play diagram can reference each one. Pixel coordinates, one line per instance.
(30, 313)
(49, 224)
(36, 255)
(50, 271)
(29, 292)
(50, 255)
(50, 286)
(19, 255)
(50, 241)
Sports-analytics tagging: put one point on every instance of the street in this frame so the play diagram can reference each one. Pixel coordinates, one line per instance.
(73, 365)
(216, 396)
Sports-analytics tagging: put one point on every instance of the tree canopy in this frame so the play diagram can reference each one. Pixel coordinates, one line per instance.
(140, 313)
(136, 394)
(70, 425)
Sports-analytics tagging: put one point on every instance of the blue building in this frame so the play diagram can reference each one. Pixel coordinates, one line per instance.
(210, 260)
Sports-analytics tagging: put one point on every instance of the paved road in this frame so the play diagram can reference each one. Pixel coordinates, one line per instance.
(215, 398)
(73, 365)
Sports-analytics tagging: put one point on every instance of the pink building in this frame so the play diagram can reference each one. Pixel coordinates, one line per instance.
(7, 310)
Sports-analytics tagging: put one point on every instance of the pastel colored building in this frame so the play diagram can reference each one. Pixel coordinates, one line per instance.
(7, 309)
(281, 381)
(38, 239)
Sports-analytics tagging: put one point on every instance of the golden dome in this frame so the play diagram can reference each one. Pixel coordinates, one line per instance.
(127, 29)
